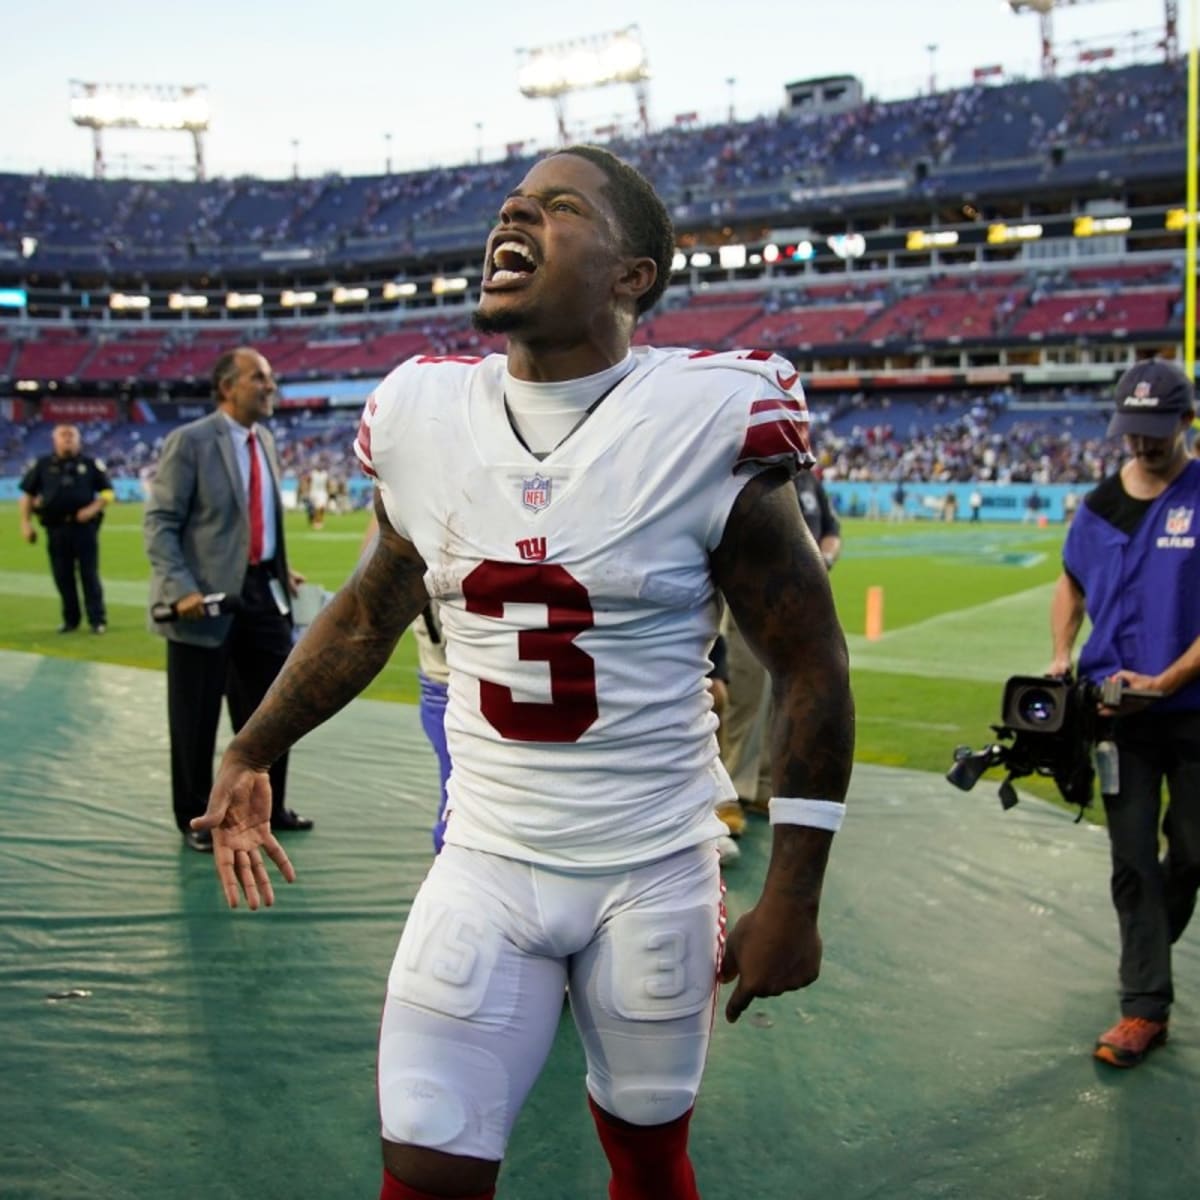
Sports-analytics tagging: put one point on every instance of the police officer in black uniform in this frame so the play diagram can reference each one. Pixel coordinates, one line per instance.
(68, 491)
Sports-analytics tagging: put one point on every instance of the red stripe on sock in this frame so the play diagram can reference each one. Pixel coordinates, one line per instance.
(649, 1162)
(393, 1189)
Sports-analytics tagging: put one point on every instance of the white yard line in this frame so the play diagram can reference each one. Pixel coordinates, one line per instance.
(984, 643)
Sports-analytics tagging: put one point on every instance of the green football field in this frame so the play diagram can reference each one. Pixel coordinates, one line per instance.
(965, 606)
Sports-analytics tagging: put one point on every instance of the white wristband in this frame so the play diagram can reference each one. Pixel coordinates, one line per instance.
(819, 814)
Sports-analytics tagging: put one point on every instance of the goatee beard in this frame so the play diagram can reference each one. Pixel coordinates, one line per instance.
(500, 322)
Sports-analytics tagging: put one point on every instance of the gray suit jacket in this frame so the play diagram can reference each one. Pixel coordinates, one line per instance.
(196, 527)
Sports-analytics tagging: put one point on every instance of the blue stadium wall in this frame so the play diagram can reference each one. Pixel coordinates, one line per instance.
(922, 501)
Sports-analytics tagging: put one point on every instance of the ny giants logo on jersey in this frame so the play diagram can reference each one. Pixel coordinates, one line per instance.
(535, 493)
(532, 549)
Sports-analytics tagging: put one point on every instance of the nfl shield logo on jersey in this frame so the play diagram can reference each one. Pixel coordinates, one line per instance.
(1179, 520)
(535, 493)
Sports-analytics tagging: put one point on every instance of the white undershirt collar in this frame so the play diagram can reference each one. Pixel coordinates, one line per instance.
(545, 414)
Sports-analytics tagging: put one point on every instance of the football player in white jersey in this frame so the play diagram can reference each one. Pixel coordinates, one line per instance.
(318, 495)
(574, 507)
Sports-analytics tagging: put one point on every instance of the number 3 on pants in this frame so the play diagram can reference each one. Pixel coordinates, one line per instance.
(572, 708)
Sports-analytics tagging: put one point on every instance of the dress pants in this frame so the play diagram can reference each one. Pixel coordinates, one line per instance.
(74, 546)
(241, 670)
(1154, 899)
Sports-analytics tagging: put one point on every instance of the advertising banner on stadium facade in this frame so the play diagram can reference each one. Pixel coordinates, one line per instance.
(63, 408)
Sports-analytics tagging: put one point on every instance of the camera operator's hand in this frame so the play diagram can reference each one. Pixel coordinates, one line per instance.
(1060, 667)
(1150, 689)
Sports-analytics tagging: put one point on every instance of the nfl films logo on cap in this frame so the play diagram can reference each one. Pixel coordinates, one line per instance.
(1141, 397)
(535, 493)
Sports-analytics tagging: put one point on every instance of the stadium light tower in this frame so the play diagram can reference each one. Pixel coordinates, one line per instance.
(1045, 10)
(551, 72)
(100, 106)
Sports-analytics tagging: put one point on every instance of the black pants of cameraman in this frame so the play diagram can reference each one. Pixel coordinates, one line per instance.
(1154, 897)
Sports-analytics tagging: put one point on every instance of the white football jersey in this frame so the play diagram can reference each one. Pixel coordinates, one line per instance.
(575, 592)
(318, 487)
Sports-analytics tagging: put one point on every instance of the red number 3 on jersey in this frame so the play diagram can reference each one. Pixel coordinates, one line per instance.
(572, 708)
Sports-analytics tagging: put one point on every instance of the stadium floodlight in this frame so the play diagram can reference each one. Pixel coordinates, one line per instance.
(350, 295)
(443, 286)
(291, 298)
(181, 108)
(550, 72)
(394, 291)
(584, 63)
(244, 300)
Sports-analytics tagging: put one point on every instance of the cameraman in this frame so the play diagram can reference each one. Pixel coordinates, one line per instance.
(1130, 561)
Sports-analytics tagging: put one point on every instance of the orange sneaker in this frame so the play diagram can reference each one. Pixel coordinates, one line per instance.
(1129, 1041)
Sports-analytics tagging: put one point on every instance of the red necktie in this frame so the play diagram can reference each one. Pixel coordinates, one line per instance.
(256, 514)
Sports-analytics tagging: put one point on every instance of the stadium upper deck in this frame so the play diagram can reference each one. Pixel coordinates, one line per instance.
(1027, 234)
(1103, 133)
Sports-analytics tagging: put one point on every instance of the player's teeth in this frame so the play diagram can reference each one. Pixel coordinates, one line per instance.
(512, 248)
(507, 276)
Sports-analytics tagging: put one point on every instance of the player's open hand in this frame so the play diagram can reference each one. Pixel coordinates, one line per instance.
(239, 817)
(774, 948)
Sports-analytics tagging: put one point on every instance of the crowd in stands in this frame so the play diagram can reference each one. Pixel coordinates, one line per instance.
(952, 437)
(963, 438)
(709, 170)
(701, 170)
(1131, 297)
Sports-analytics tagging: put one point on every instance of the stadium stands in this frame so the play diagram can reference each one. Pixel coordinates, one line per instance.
(1102, 123)
(920, 337)
(925, 310)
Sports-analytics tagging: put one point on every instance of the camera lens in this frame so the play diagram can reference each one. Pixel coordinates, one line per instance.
(1037, 706)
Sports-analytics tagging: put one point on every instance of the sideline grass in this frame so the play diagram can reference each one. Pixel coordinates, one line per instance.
(965, 606)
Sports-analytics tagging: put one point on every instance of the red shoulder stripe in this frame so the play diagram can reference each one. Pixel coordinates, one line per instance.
(779, 404)
(774, 440)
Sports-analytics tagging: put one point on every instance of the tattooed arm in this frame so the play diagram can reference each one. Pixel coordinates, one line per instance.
(778, 591)
(344, 649)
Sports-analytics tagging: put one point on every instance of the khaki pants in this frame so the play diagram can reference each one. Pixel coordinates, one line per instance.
(747, 719)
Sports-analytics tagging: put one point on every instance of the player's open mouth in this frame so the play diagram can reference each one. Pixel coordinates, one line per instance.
(510, 262)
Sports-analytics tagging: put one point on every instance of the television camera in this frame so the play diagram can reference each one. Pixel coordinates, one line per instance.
(1052, 725)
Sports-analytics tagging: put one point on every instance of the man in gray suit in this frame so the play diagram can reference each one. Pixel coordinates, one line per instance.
(214, 524)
